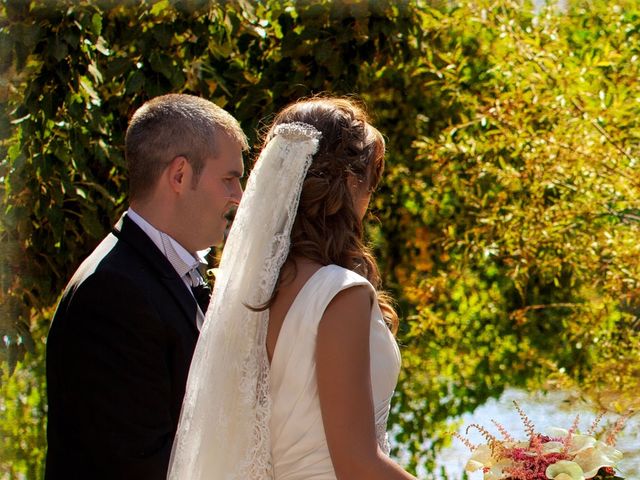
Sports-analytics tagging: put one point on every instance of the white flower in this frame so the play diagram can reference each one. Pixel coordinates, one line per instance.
(552, 447)
(565, 470)
(480, 458)
(580, 443)
(577, 443)
(594, 458)
(587, 452)
(492, 469)
(556, 432)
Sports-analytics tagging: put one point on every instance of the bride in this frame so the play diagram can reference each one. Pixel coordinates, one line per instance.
(295, 367)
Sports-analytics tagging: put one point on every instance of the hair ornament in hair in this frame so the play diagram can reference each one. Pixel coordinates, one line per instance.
(297, 131)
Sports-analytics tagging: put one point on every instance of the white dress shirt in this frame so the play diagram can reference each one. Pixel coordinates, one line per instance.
(186, 265)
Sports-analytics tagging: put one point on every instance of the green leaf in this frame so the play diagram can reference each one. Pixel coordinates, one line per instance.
(96, 23)
(88, 88)
(162, 64)
(91, 225)
(159, 7)
(135, 82)
(58, 49)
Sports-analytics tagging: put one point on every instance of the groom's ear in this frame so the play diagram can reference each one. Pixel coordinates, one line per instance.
(178, 174)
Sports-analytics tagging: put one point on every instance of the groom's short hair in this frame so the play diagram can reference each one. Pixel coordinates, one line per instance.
(174, 125)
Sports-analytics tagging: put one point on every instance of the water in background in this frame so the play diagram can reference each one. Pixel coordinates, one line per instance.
(556, 409)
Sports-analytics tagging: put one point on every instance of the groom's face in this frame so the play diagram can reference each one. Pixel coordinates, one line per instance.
(215, 194)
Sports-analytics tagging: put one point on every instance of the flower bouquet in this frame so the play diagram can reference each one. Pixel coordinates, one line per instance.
(561, 455)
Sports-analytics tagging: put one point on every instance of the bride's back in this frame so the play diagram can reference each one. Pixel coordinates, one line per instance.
(293, 279)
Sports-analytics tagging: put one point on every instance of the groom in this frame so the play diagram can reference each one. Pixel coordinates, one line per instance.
(122, 338)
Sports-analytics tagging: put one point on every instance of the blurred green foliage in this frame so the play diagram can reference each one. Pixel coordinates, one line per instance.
(506, 226)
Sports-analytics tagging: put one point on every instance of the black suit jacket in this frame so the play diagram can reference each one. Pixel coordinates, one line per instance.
(118, 355)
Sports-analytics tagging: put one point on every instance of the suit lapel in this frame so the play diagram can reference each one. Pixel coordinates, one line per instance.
(127, 231)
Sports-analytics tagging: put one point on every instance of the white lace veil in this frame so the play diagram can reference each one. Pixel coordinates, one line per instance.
(223, 432)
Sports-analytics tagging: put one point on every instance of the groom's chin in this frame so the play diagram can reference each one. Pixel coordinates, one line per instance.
(229, 216)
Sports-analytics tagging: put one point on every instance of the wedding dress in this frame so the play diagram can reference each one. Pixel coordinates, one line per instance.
(298, 445)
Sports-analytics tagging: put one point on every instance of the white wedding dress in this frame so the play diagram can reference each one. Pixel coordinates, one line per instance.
(298, 444)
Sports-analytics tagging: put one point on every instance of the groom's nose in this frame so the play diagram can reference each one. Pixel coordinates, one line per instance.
(236, 193)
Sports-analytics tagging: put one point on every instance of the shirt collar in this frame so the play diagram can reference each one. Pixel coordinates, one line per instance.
(181, 260)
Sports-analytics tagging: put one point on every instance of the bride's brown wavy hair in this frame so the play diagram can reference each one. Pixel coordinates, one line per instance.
(327, 228)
